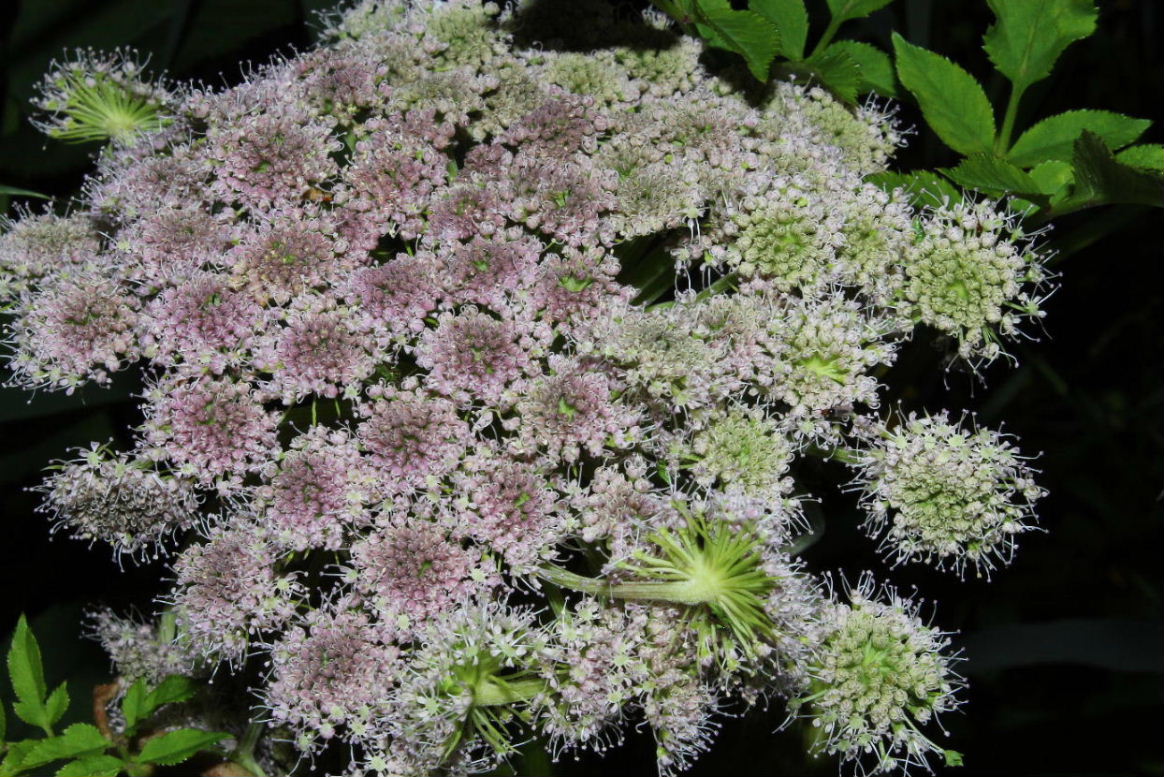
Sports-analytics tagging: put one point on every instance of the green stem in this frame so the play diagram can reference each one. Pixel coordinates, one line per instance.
(842, 455)
(1002, 143)
(678, 591)
(827, 36)
(244, 754)
(167, 626)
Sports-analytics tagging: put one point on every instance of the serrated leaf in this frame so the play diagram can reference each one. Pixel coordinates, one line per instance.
(133, 704)
(923, 188)
(13, 762)
(25, 668)
(1100, 179)
(875, 66)
(1029, 35)
(745, 32)
(993, 175)
(1054, 137)
(78, 740)
(93, 766)
(836, 70)
(1149, 156)
(1053, 177)
(173, 689)
(844, 10)
(57, 704)
(791, 19)
(953, 103)
(176, 746)
(3, 724)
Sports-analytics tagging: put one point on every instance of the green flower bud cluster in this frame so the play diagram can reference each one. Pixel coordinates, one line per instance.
(971, 276)
(947, 495)
(100, 96)
(878, 676)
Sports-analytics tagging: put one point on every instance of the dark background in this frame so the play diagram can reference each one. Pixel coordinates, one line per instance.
(1065, 649)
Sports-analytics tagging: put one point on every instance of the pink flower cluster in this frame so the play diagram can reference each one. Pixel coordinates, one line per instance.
(392, 300)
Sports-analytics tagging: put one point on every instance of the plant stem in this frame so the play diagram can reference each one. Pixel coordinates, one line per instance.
(827, 36)
(244, 754)
(678, 591)
(1002, 143)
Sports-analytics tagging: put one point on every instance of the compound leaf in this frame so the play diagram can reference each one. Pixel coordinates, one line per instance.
(953, 103)
(922, 187)
(1028, 36)
(78, 740)
(791, 19)
(1101, 179)
(93, 766)
(874, 66)
(993, 175)
(57, 704)
(176, 746)
(1054, 137)
(1149, 156)
(27, 675)
(844, 10)
(745, 32)
(838, 71)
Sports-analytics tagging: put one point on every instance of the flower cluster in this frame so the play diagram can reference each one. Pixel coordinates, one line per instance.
(449, 316)
(945, 494)
(878, 676)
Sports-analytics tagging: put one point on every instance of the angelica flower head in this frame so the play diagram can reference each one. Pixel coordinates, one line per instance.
(878, 675)
(972, 275)
(119, 499)
(938, 492)
(459, 309)
(101, 96)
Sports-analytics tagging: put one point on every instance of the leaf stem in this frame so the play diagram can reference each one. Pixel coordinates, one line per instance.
(244, 754)
(676, 591)
(1002, 142)
(827, 36)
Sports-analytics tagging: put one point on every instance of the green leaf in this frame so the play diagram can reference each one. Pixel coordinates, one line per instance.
(844, 10)
(1149, 156)
(745, 32)
(875, 66)
(13, 762)
(27, 675)
(993, 175)
(1053, 177)
(177, 746)
(93, 766)
(3, 724)
(171, 690)
(922, 187)
(79, 740)
(13, 191)
(952, 102)
(953, 757)
(836, 70)
(1100, 179)
(1029, 35)
(1054, 137)
(791, 19)
(133, 705)
(57, 704)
